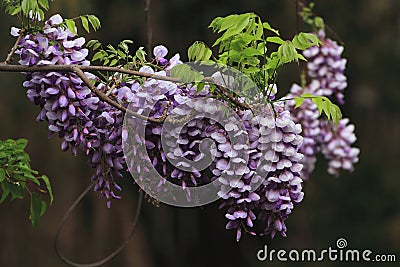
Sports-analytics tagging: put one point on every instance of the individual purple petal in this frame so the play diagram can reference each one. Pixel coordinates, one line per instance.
(63, 101)
(160, 51)
(15, 31)
(55, 20)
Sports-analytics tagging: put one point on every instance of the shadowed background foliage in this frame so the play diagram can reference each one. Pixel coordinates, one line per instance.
(363, 207)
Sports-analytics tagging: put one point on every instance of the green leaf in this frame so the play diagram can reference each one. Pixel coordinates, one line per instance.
(242, 22)
(200, 87)
(325, 106)
(16, 191)
(319, 23)
(287, 52)
(25, 6)
(198, 51)
(227, 22)
(98, 55)
(186, 73)
(2, 175)
(44, 4)
(16, 11)
(269, 28)
(21, 144)
(85, 23)
(141, 54)
(35, 208)
(92, 43)
(299, 101)
(43, 208)
(276, 40)
(250, 52)
(114, 62)
(303, 40)
(48, 187)
(6, 191)
(71, 25)
(94, 21)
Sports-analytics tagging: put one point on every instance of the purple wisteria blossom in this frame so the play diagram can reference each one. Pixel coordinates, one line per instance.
(309, 118)
(325, 69)
(275, 161)
(326, 66)
(336, 146)
(72, 111)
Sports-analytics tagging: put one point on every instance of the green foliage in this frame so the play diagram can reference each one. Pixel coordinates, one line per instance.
(85, 20)
(26, 8)
(16, 177)
(309, 18)
(198, 51)
(30, 11)
(323, 104)
(117, 56)
(244, 43)
(186, 73)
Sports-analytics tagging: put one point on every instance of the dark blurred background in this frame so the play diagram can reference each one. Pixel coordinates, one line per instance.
(362, 207)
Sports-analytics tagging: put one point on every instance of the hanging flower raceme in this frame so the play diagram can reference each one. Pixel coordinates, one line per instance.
(259, 155)
(274, 166)
(326, 66)
(81, 120)
(336, 146)
(308, 116)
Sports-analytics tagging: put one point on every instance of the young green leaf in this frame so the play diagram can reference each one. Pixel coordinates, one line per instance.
(6, 191)
(94, 21)
(35, 208)
(2, 175)
(85, 23)
(298, 101)
(48, 187)
(325, 106)
(186, 74)
(25, 6)
(71, 25)
(275, 39)
(16, 191)
(303, 40)
(99, 55)
(44, 4)
(198, 51)
(269, 28)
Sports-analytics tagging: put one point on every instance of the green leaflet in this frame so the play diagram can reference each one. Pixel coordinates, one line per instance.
(17, 178)
(186, 73)
(324, 105)
(198, 51)
(86, 21)
(246, 43)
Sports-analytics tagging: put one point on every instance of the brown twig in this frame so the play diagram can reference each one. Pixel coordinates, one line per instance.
(297, 3)
(299, 7)
(225, 91)
(13, 48)
(78, 69)
(108, 100)
(149, 31)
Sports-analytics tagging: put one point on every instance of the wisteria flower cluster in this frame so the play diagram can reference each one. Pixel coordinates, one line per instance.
(80, 119)
(325, 68)
(258, 157)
